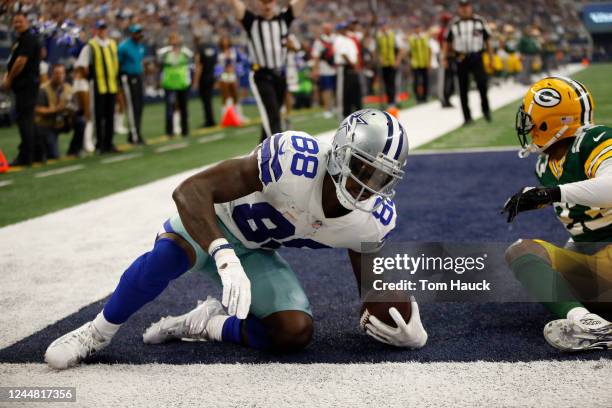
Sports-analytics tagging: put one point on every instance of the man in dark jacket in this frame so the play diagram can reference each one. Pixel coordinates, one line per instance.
(23, 79)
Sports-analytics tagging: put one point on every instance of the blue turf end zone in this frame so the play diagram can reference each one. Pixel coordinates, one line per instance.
(445, 197)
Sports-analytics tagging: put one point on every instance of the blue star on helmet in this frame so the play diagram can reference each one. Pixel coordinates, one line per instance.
(354, 119)
(357, 117)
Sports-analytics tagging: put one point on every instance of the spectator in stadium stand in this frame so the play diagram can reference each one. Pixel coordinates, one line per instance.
(131, 55)
(267, 34)
(228, 59)
(204, 77)
(55, 110)
(389, 59)
(324, 72)
(446, 75)
(529, 48)
(420, 62)
(175, 60)
(22, 78)
(99, 61)
(549, 53)
(355, 33)
(467, 38)
(348, 88)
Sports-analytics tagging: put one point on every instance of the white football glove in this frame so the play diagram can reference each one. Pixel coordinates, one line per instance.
(410, 335)
(236, 285)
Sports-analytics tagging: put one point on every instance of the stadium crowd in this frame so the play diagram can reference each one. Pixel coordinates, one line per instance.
(526, 36)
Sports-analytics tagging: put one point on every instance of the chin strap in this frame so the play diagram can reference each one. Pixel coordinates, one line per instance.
(533, 148)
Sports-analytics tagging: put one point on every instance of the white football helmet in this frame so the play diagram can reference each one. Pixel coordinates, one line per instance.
(370, 148)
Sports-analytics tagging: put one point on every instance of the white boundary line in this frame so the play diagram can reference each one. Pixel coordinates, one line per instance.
(553, 384)
(5, 183)
(169, 148)
(244, 130)
(121, 158)
(62, 170)
(209, 139)
(301, 119)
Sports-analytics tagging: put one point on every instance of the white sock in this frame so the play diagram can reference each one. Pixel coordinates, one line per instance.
(214, 327)
(104, 327)
(577, 313)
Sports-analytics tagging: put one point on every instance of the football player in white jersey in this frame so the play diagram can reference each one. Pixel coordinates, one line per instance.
(294, 190)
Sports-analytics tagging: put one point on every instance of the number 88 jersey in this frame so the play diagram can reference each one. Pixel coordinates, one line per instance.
(289, 212)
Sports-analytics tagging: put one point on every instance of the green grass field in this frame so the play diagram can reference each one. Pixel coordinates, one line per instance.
(501, 131)
(29, 195)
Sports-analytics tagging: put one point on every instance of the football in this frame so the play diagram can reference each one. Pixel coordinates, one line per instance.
(378, 303)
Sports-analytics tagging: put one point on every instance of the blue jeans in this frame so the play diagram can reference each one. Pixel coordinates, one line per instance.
(48, 138)
(174, 98)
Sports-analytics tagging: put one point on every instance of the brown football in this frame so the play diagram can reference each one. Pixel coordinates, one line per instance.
(378, 303)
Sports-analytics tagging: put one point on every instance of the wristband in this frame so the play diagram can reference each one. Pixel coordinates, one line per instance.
(218, 245)
(223, 253)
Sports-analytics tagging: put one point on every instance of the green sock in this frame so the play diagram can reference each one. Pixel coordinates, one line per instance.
(545, 284)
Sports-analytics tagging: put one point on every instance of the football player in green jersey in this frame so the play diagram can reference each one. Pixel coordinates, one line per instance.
(575, 173)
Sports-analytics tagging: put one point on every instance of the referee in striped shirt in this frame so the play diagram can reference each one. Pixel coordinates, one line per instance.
(267, 31)
(467, 38)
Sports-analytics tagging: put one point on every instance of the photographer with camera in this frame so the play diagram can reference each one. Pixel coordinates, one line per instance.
(55, 110)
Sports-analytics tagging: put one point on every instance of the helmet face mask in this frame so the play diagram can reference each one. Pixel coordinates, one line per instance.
(524, 126)
(358, 165)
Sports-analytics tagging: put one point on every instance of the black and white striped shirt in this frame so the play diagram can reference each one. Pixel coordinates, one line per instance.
(468, 35)
(268, 38)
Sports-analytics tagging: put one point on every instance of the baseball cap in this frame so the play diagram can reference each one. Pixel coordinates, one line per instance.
(464, 2)
(101, 24)
(134, 28)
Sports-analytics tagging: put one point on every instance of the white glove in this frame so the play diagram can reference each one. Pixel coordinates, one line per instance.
(411, 335)
(236, 285)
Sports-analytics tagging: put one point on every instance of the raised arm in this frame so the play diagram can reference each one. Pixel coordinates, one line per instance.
(239, 9)
(298, 7)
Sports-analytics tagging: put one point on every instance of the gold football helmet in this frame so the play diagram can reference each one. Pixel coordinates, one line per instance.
(553, 109)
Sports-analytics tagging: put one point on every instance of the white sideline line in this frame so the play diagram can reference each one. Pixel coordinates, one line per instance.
(34, 289)
(169, 148)
(553, 384)
(121, 158)
(4, 183)
(244, 130)
(466, 150)
(61, 170)
(210, 139)
(301, 119)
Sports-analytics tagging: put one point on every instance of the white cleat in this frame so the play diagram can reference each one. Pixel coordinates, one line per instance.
(189, 327)
(588, 333)
(72, 348)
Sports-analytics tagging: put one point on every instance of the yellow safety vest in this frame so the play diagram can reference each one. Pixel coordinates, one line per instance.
(419, 51)
(386, 48)
(105, 63)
